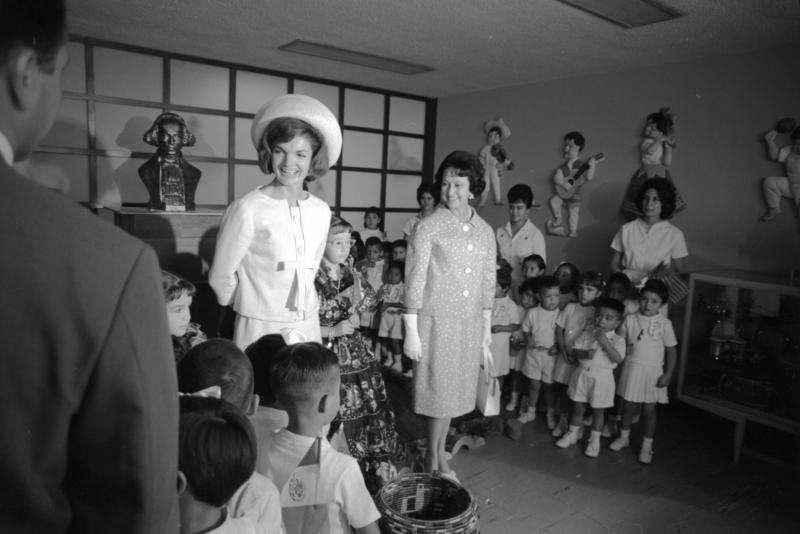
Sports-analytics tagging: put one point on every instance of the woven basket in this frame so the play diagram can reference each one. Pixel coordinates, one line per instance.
(422, 503)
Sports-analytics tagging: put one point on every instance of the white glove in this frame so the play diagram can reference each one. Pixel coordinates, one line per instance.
(412, 346)
(487, 328)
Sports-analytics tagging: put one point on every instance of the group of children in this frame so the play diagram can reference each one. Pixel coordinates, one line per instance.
(580, 342)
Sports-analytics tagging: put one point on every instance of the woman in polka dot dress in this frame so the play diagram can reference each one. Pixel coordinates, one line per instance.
(450, 283)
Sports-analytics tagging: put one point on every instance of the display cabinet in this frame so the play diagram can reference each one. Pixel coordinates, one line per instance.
(740, 350)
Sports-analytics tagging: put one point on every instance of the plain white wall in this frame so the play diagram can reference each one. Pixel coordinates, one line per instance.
(723, 106)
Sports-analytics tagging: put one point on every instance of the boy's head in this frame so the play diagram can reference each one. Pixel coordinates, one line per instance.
(216, 449)
(520, 202)
(527, 292)
(178, 294)
(218, 362)
(394, 274)
(547, 292)
(653, 296)
(533, 266)
(503, 282)
(372, 218)
(399, 247)
(374, 247)
(618, 286)
(590, 288)
(305, 379)
(261, 353)
(608, 313)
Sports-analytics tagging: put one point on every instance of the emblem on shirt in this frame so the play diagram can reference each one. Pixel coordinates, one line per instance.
(297, 490)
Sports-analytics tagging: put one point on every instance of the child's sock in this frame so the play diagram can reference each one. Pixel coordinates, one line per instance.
(646, 454)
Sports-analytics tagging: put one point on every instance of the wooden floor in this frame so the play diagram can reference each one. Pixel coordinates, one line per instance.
(530, 486)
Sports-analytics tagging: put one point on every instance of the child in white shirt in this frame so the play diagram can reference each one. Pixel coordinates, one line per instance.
(505, 320)
(372, 225)
(599, 349)
(391, 298)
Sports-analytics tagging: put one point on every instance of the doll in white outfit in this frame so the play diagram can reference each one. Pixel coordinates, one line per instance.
(599, 350)
(646, 373)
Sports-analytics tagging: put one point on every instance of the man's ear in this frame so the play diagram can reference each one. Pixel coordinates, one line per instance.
(23, 77)
(181, 482)
(323, 403)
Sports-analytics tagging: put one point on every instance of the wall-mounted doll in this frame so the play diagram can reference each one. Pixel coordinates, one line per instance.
(568, 180)
(777, 187)
(494, 158)
(170, 180)
(656, 148)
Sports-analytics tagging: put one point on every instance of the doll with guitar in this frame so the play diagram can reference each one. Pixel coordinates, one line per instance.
(568, 180)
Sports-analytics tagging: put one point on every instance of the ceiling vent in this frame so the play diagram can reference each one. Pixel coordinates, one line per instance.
(627, 13)
(357, 58)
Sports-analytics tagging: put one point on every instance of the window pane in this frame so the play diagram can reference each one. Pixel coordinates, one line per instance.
(395, 221)
(404, 153)
(401, 191)
(213, 186)
(123, 172)
(211, 132)
(121, 127)
(69, 128)
(128, 75)
(194, 84)
(325, 188)
(361, 149)
(327, 94)
(74, 75)
(65, 173)
(363, 109)
(361, 189)
(254, 90)
(248, 177)
(407, 115)
(244, 145)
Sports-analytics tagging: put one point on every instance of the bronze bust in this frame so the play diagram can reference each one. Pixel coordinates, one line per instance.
(170, 180)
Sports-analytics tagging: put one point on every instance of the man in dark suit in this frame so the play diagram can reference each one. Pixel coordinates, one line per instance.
(88, 394)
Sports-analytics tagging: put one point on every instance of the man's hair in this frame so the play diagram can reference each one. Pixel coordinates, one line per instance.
(174, 286)
(301, 371)
(37, 24)
(261, 353)
(216, 448)
(218, 362)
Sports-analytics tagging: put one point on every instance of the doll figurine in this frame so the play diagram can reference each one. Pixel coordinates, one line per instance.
(656, 149)
(171, 181)
(568, 180)
(494, 158)
(777, 187)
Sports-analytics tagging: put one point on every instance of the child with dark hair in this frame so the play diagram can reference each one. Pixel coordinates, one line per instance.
(646, 372)
(619, 287)
(599, 349)
(372, 268)
(568, 277)
(321, 490)
(539, 327)
(527, 300)
(373, 224)
(216, 455)
(220, 363)
(391, 302)
(178, 294)
(505, 321)
(519, 238)
(571, 322)
(399, 248)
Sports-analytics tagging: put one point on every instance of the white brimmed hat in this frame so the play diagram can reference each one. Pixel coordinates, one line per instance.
(306, 109)
(505, 131)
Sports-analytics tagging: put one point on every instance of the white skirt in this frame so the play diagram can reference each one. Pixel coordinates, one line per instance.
(247, 330)
(637, 383)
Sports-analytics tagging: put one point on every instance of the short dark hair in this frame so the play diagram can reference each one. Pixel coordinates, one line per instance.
(504, 278)
(666, 194)
(216, 448)
(663, 120)
(373, 241)
(261, 353)
(401, 266)
(299, 371)
(594, 279)
(619, 278)
(400, 243)
(174, 286)
(658, 287)
(427, 188)
(574, 272)
(283, 130)
(374, 210)
(467, 165)
(546, 282)
(535, 258)
(610, 304)
(520, 193)
(530, 284)
(218, 362)
(577, 138)
(40, 25)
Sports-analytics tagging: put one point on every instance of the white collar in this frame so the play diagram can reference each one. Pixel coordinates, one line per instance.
(6, 151)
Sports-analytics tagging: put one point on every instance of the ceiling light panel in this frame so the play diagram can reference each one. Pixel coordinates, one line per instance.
(350, 56)
(627, 13)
